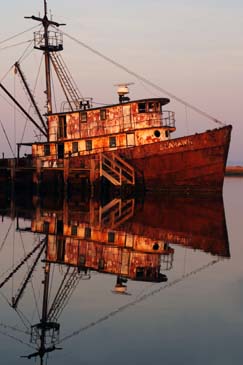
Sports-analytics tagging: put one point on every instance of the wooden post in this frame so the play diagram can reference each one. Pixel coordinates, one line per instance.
(37, 175)
(65, 174)
(12, 175)
(92, 174)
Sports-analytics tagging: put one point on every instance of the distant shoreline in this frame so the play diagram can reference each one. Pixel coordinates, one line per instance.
(234, 171)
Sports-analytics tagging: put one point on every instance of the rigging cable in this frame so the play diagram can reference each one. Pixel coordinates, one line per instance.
(145, 80)
(16, 329)
(13, 256)
(28, 267)
(5, 298)
(51, 283)
(14, 117)
(23, 318)
(139, 300)
(15, 45)
(6, 74)
(35, 86)
(53, 91)
(25, 54)
(6, 136)
(18, 34)
(16, 339)
(6, 236)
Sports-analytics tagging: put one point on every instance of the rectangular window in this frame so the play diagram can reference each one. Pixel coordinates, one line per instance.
(60, 228)
(83, 117)
(153, 107)
(62, 126)
(112, 141)
(102, 114)
(142, 107)
(46, 227)
(74, 230)
(75, 147)
(88, 144)
(87, 232)
(111, 236)
(47, 150)
(61, 243)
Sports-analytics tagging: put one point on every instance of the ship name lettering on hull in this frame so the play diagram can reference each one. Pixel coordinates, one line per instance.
(176, 143)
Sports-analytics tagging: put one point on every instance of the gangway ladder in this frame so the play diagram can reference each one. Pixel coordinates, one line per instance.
(116, 212)
(69, 86)
(116, 169)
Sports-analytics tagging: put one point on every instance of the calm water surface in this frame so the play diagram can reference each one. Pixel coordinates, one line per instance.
(128, 282)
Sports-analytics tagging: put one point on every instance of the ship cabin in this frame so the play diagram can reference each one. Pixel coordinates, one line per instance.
(94, 130)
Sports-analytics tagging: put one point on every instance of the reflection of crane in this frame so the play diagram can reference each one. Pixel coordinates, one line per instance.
(66, 288)
(15, 270)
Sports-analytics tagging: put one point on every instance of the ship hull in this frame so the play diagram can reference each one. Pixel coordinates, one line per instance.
(194, 163)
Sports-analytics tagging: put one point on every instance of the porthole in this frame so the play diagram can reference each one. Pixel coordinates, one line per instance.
(156, 246)
(157, 133)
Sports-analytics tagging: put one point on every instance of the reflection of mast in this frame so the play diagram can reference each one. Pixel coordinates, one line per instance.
(46, 332)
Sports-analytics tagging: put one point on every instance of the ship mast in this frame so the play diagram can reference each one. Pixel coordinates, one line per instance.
(46, 24)
(47, 41)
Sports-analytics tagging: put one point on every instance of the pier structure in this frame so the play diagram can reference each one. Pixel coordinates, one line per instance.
(65, 175)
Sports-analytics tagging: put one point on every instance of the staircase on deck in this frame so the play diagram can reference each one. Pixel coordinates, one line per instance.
(116, 212)
(116, 169)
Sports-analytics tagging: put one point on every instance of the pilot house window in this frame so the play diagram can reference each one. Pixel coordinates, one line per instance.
(87, 232)
(153, 107)
(142, 107)
(47, 150)
(111, 236)
(88, 145)
(74, 230)
(102, 114)
(75, 147)
(83, 117)
(112, 141)
(62, 126)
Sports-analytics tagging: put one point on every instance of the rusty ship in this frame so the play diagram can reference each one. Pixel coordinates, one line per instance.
(123, 144)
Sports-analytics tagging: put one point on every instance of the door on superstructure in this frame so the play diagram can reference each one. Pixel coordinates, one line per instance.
(127, 122)
(125, 262)
(130, 139)
(60, 150)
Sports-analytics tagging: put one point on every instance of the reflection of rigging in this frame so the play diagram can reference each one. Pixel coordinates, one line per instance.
(67, 287)
(140, 255)
(105, 239)
(140, 299)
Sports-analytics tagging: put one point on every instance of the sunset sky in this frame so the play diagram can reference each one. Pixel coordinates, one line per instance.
(194, 49)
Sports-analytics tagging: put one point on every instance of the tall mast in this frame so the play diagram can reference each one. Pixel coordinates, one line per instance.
(47, 60)
(47, 41)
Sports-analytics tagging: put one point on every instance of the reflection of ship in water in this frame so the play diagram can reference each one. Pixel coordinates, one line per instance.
(196, 223)
(92, 240)
(128, 240)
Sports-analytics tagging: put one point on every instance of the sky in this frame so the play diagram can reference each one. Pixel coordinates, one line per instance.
(193, 49)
